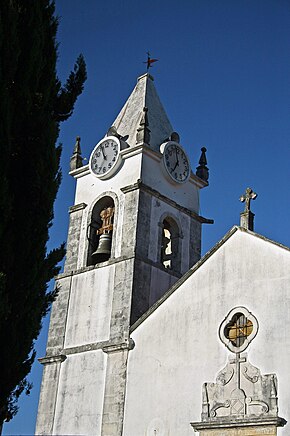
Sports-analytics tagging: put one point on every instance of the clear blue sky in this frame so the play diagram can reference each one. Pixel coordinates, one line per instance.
(224, 79)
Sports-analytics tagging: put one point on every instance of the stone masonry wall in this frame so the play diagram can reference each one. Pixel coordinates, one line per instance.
(72, 249)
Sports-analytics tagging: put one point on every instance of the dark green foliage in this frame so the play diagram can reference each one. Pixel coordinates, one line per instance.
(32, 104)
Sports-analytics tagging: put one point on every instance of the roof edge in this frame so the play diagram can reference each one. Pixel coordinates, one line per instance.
(196, 266)
(183, 278)
(264, 238)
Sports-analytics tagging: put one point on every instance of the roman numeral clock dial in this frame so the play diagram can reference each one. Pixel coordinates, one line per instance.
(105, 158)
(176, 162)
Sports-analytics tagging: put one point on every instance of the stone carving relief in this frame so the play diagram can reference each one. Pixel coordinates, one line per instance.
(240, 390)
(241, 396)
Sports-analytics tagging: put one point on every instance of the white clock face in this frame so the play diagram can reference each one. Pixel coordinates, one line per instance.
(105, 158)
(176, 162)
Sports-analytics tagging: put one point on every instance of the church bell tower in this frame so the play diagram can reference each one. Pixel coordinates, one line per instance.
(134, 230)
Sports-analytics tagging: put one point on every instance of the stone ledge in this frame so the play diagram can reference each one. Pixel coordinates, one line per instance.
(113, 348)
(238, 423)
(92, 267)
(47, 360)
(77, 207)
(106, 346)
(80, 172)
(140, 185)
(112, 261)
(86, 347)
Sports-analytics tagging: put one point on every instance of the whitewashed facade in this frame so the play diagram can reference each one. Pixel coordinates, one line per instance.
(177, 347)
(131, 341)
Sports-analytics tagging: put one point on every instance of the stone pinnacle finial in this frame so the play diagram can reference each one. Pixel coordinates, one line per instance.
(247, 217)
(143, 131)
(77, 147)
(76, 161)
(175, 137)
(202, 170)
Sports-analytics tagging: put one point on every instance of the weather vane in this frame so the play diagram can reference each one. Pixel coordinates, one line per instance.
(149, 61)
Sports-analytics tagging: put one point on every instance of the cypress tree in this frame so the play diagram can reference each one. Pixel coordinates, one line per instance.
(32, 105)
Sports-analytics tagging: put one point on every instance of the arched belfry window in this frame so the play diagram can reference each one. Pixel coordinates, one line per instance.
(170, 244)
(100, 231)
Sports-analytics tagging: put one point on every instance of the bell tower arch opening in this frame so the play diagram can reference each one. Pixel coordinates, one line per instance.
(100, 231)
(170, 253)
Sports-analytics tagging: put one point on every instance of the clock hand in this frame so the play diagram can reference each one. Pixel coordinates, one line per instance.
(177, 161)
(102, 148)
(174, 167)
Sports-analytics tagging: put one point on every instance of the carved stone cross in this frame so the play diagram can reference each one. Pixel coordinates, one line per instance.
(247, 197)
(237, 362)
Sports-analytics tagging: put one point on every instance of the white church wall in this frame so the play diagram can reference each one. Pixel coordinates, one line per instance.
(89, 187)
(154, 175)
(89, 310)
(80, 399)
(177, 347)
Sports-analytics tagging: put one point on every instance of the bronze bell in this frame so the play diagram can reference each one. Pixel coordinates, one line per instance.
(103, 251)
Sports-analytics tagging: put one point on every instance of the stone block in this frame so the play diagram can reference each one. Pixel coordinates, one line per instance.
(239, 431)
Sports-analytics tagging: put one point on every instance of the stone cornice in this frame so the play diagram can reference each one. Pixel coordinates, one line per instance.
(47, 360)
(116, 347)
(253, 421)
(86, 347)
(80, 172)
(108, 346)
(117, 260)
(145, 188)
(155, 155)
(132, 151)
(77, 207)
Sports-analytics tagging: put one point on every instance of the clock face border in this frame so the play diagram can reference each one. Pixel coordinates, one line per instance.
(163, 149)
(116, 164)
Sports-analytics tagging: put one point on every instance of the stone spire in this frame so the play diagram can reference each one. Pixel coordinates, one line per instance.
(128, 121)
(247, 217)
(76, 161)
(202, 170)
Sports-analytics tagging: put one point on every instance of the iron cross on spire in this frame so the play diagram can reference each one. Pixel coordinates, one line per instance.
(247, 197)
(149, 61)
